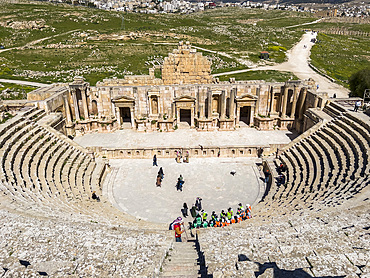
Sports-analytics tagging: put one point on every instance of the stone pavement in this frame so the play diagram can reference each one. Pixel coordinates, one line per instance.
(133, 184)
(184, 138)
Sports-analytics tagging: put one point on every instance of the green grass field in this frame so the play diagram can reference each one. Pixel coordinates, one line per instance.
(98, 46)
(16, 91)
(340, 56)
(267, 75)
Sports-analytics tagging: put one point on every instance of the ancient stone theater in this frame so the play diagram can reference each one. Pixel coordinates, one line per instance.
(72, 210)
(186, 96)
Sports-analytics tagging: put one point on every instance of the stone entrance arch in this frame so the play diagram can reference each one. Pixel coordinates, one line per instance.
(185, 108)
(124, 108)
(185, 116)
(245, 115)
(245, 108)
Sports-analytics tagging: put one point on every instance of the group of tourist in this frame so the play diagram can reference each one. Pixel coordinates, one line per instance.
(184, 158)
(281, 178)
(225, 218)
(201, 219)
(160, 175)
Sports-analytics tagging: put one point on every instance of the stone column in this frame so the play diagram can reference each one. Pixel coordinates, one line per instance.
(84, 103)
(295, 98)
(222, 105)
(257, 103)
(75, 104)
(132, 117)
(178, 113)
(237, 113)
(251, 120)
(67, 111)
(272, 100)
(285, 100)
(232, 104)
(209, 95)
(173, 110)
(192, 111)
(201, 110)
(301, 103)
(118, 115)
(316, 102)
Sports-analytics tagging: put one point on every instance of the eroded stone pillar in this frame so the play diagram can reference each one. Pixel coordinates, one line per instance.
(237, 113)
(192, 111)
(295, 99)
(173, 110)
(132, 117)
(118, 116)
(301, 103)
(209, 104)
(272, 101)
(232, 104)
(285, 101)
(222, 105)
(251, 119)
(67, 111)
(316, 102)
(201, 110)
(84, 104)
(75, 104)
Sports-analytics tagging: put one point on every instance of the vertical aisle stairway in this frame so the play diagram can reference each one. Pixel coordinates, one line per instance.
(182, 261)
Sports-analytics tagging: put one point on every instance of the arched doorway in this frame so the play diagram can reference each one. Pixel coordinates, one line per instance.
(125, 114)
(245, 115)
(185, 116)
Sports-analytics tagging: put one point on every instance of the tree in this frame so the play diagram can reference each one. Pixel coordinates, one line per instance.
(358, 82)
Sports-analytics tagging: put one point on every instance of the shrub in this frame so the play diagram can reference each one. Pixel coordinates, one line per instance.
(358, 82)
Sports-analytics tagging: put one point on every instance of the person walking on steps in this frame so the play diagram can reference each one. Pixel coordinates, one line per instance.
(185, 210)
(158, 183)
(161, 173)
(177, 227)
(180, 183)
(155, 160)
(357, 105)
(198, 203)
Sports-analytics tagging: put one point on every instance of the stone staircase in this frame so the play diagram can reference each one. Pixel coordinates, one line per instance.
(181, 261)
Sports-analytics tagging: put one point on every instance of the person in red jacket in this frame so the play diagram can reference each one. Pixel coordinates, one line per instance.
(177, 228)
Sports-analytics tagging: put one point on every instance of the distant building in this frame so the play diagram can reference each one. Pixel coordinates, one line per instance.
(264, 55)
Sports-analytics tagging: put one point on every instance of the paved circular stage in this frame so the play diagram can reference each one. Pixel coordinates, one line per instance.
(131, 185)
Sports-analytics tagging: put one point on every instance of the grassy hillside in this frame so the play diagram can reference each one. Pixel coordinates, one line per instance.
(73, 41)
(99, 46)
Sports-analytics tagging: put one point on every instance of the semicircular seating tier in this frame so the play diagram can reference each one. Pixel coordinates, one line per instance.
(316, 225)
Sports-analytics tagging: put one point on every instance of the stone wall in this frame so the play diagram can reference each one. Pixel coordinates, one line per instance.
(186, 97)
(170, 152)
(186, 66)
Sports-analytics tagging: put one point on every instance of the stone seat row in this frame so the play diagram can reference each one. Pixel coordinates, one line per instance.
(311, 244)
(326, 164)
(39, 167)
(32, 247)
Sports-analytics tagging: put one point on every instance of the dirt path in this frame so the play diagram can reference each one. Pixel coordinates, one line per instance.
(298, 59)
(37, 41)
(26, 83)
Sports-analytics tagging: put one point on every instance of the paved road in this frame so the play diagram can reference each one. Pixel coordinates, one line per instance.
(298, 58)
(303, 24)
